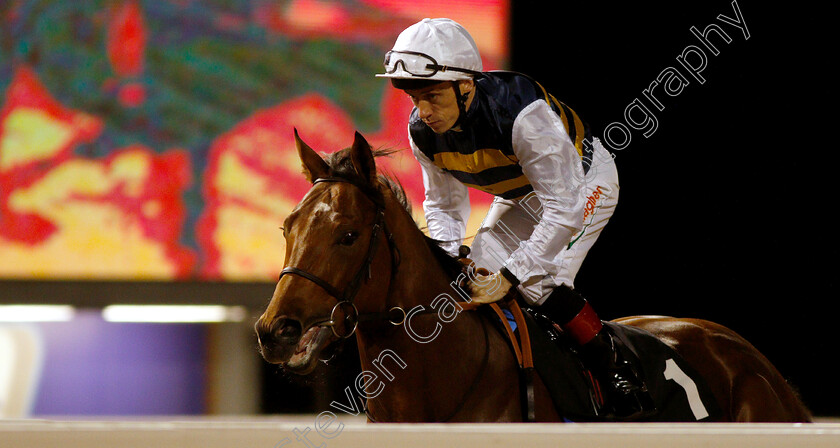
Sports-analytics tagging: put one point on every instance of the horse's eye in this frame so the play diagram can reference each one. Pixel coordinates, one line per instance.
(348, 238)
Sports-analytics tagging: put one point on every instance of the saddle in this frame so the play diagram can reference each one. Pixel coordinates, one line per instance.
(679, 392)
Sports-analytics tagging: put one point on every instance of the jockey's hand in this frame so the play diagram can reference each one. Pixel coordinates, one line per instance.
(489, 288)
(484, 287)
(468, 267)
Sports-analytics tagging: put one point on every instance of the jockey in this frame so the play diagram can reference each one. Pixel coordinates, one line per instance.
(555, 187)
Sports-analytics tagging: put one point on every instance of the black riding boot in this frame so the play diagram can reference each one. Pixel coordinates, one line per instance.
(624, 393)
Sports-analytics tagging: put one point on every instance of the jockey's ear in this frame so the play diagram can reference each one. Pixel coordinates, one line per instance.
(314, 166)
(362, 158)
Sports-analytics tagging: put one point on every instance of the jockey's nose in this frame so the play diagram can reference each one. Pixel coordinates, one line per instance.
(424, 109)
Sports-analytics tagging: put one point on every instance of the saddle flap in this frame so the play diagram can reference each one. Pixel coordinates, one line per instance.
(562, 373)
(679, 392)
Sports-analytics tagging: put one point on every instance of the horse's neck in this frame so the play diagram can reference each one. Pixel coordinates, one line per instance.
(431, 348)
(420, 278)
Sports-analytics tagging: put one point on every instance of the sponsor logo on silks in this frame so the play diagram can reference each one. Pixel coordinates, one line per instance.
(593, 202)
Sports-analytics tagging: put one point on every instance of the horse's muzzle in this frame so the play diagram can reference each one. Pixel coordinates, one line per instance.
(278, 338)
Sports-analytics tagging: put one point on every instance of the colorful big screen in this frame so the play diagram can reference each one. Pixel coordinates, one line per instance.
(153, 139)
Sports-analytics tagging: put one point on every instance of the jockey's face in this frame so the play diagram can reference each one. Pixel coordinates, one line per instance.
(437, 106)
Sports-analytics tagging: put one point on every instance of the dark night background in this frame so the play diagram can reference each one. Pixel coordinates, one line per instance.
(725, 211)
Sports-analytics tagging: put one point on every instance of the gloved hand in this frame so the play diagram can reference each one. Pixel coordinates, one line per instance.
(485, 287)
(489, 288)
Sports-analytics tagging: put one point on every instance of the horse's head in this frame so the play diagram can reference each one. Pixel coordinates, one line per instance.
(335, 240)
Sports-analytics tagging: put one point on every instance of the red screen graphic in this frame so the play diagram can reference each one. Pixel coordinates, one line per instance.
(153, 139)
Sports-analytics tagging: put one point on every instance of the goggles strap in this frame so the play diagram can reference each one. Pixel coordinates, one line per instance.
(420, 64)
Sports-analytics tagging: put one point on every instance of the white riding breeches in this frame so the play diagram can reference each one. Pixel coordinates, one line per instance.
(509, 222)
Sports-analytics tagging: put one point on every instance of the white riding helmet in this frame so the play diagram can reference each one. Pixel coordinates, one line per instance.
(433, 49)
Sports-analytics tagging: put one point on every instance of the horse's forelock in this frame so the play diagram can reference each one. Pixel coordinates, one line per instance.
(341, 166)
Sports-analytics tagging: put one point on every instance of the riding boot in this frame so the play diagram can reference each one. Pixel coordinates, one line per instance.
(625, 395)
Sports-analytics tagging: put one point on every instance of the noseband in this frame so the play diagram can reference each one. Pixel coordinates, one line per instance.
(345, 298)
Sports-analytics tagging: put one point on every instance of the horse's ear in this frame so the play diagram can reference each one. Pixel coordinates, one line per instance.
(362, 157)
(314, 166)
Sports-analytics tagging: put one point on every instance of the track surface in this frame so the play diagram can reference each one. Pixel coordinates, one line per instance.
(303, 431)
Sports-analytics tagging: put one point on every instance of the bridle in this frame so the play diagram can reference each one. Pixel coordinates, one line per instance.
(395, 315)
(345, 298)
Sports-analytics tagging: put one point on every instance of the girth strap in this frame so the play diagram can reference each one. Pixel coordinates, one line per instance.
(521, 349)
(524, 356)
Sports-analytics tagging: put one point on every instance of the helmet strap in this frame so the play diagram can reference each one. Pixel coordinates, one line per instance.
(461, 99)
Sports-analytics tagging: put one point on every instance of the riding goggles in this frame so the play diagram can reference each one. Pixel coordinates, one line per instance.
(418, 64)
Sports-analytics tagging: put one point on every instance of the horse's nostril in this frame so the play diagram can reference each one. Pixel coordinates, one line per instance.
(282, 331)
(278, 338)
(264, 331)
(288, 331)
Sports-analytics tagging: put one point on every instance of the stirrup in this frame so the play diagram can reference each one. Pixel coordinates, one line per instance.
(627, 398)
(625, 395)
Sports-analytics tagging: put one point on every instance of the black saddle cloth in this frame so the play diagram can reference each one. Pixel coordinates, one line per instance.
(678, 391)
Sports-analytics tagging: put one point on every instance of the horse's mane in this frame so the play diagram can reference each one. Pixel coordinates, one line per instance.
(342, 166)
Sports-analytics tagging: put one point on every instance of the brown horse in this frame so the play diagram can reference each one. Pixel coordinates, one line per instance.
(357, 264)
